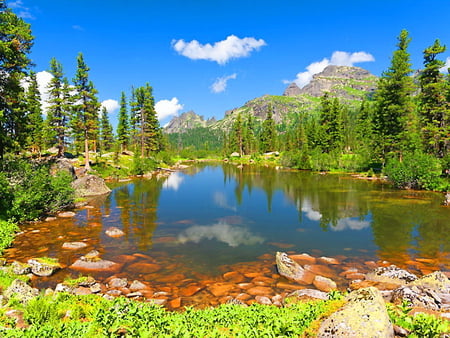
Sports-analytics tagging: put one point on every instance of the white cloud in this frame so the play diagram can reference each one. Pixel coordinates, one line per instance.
(350, 224)
(43, 79)
(446, 66)
(173, 181)
(167, 108)
(111, 105)
(220, 200)
(221, 52)
(221, 83)
(338, 58)
(222, 232)
(21, 10)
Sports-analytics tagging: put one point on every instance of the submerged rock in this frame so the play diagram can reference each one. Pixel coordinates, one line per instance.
(114, 232)
(290, 269)
(364, 315)
(307, 293)
(74, 245)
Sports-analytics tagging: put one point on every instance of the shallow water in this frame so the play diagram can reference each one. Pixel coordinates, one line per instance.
(201, 222)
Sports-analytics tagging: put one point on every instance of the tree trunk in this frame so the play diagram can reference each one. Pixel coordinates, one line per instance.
(86, 154)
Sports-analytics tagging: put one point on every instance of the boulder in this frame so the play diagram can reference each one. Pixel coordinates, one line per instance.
(21, 291)
(90, 185)
(114, 232)
(43, 267)
(74, 245)
(291, 270)
(324, 283)
(364, 315)
(308, 293)
(20, 268)
(391, 274)
(417, 296)
(63, 165)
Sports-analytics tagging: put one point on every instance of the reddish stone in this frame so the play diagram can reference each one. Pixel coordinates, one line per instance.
(125, 258)
(175, 303)
(81, 291)
(144, 256)
(324, 284)
(261, 280)
(144, 268)
(221, 289)
(234, 277)
(259, 291)
(354, 276)
(225, 299)
(263, 300)
(190, 290)
(250, 301)
(244, 285)
(322, 270)
(243, 297)
(303, 259)
(348, 270)
(171, 278)
(283, 285)
(101, 265)
(328, 260)
(252, 274)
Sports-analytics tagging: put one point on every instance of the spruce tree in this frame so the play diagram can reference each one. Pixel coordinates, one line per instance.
(268, 133)
(434, 105)
(394, 104)
(123, 127)
(34, 115)
(149, 132)
(106, 132)
(56, 123)
(331, 124)
(237, 135)
(84, 120)
(15, 45)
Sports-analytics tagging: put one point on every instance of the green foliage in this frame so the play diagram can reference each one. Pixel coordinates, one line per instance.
(7, 277)
(32, 191)
(142, 166)
(415, 171)
(7, 230)
(296, 159)
(420, 325)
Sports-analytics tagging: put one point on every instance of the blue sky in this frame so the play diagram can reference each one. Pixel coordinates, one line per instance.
(213, 55)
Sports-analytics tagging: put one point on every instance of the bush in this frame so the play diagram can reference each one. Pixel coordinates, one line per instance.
(143, 165)
(29, 191)
(296, 159)
(7, 230)
(416, 171)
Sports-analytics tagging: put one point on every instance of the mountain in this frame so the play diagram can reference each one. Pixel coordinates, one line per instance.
(185, 121)
(352, 83)
(349, 84)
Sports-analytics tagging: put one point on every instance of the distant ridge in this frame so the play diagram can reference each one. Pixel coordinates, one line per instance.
(185, 121)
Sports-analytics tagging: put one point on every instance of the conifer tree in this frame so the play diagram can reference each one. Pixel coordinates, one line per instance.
(106, 132)
(84, 122)
(123, 127)
(268, 133)
(249, 135)
(15, 45)
(237, 139)
(34, 115)
(394, 104)
(149, 131)
(434, 105)
(331, 124)
(56, 124)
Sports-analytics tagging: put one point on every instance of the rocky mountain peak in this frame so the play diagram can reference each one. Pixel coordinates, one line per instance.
(341, 81)
(187, 120)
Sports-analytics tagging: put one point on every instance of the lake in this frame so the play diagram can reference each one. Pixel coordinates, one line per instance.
(211, 218)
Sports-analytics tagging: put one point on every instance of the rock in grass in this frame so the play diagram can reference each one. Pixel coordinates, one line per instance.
(364, 315)
(21, 291)
(20, 268)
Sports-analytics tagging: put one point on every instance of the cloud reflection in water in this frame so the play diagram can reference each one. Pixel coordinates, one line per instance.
(173, 181)
(222, 232)
(350, 224)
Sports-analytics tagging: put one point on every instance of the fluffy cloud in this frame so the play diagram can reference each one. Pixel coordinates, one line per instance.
(446, 67)
(166, 108)
(220, 199)
(221, 83)
(43, 79)
(338, 58)
(221, 232)
(221, 52)
(350, 224)
(111, 105)
(173, 181)
(21, 10)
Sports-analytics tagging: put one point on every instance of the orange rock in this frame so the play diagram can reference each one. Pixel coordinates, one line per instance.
(260, 291)
(303, 259)
(263, 300)
(328, 260)
(171, 278)
(265, 256)
(252, 274)
(221, 289)
(190, 290)
(175, 303)
(125, 258)
(144, 256)
(371, 264)
(244, 285)
(243, 297)
(261, 280)
(356, 275)
(324, 284)
(250, 301)
(322, 270)
(143, 268)
(234, 277)
(283, 285)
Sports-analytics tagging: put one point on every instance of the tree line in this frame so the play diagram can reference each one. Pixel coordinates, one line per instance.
(73, 118)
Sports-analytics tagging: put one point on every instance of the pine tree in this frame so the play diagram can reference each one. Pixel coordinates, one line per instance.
(84, 120)
(434, 105)
(56, 124)
(249, 135)
(15, 45)
(34, 115)
(268, 133)
(331, 124)
(394, 104)
(123, 127)
(237, 138)
(106, 132)
(149, 131)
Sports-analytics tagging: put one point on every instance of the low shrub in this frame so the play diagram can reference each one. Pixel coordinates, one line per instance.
(415, 171)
